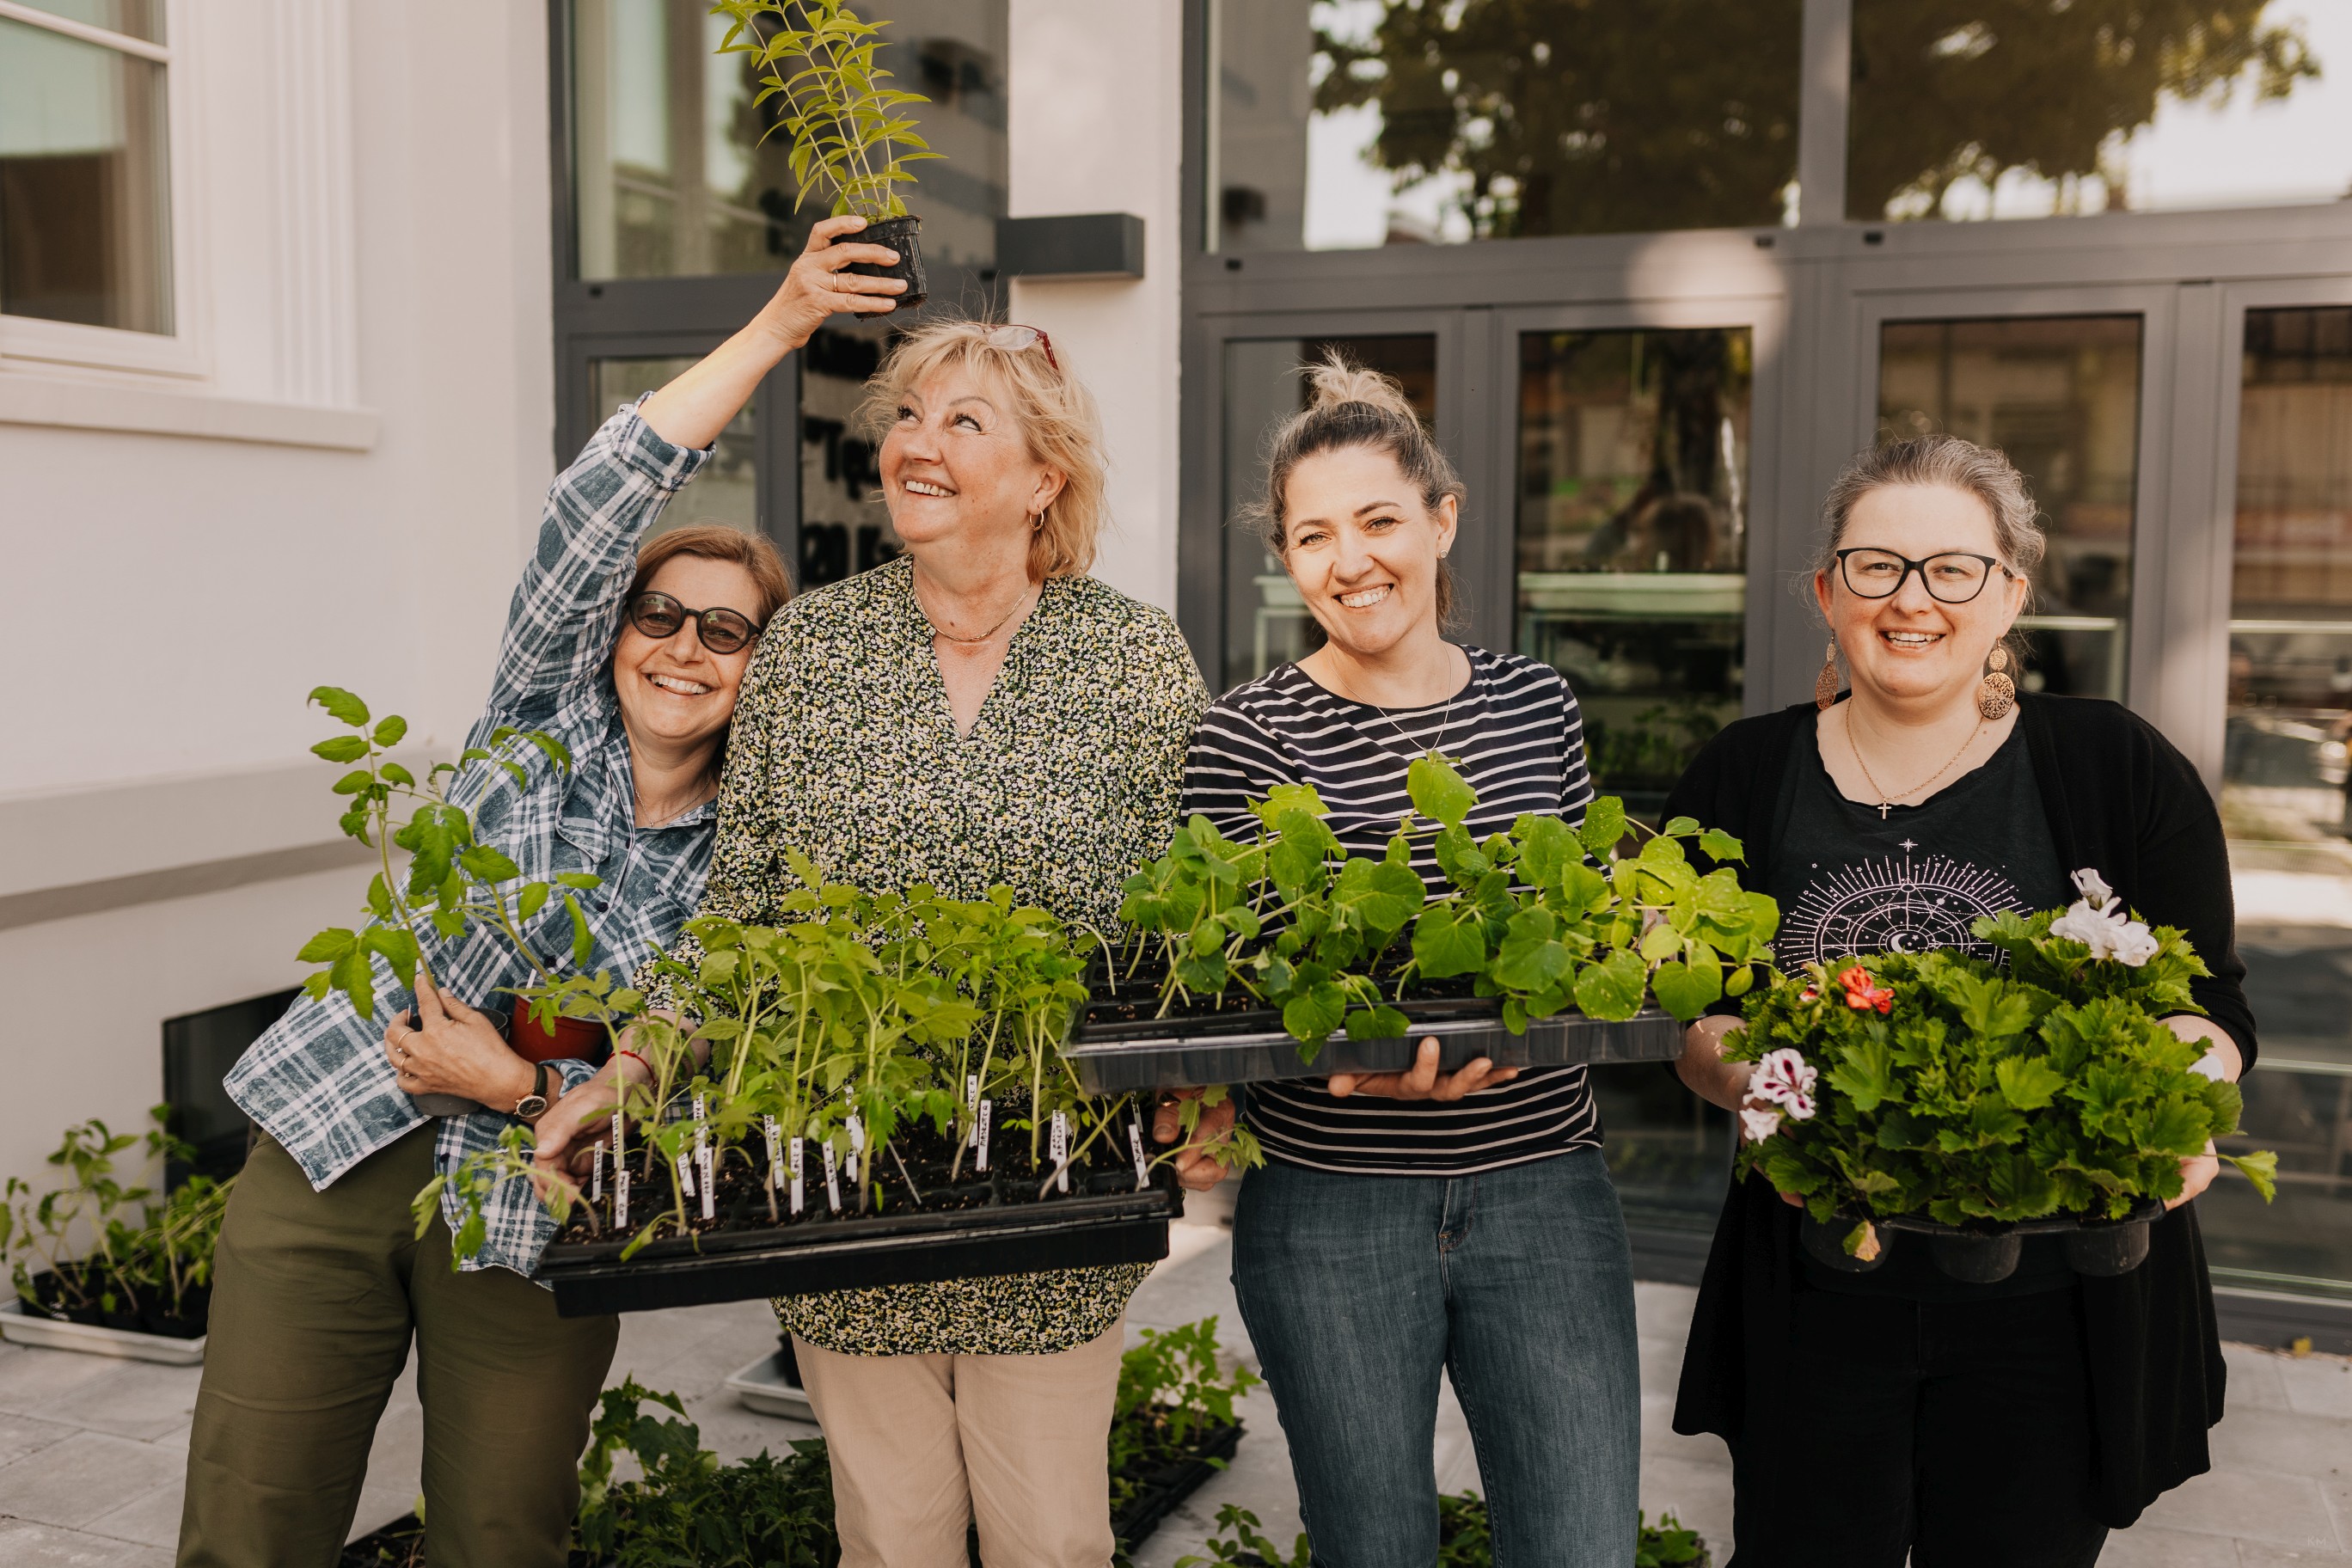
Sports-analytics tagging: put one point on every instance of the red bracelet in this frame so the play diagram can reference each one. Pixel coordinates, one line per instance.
(624, 1051)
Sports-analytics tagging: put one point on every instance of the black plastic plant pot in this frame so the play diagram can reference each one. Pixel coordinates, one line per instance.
(140, 1317)
(1977, 1260)
(1163, 1487)
(853, 1252)
(905, 236)
(2103, 1249)
(1824, 1243)
(1119, 1046)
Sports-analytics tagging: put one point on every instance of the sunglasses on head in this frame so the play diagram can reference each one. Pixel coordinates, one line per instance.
(1013, 338)
(659, 617)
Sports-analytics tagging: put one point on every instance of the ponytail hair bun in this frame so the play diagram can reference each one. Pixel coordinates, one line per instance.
(1333, 381)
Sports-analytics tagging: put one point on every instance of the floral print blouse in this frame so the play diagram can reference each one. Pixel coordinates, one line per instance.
(844, 748)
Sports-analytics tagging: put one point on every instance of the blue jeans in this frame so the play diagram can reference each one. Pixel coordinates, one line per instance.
(1357, 1289)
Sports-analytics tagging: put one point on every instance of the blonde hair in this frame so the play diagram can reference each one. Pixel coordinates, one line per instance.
(1350, 406)
(1051, 409)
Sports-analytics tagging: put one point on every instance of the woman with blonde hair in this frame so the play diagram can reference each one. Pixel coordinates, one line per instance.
(978, 711)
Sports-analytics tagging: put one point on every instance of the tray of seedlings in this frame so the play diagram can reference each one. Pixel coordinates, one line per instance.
(1277, 956)
(873, 1094)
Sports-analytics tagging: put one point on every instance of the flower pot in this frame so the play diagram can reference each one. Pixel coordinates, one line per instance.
(1119, 1046)
(458, 1104)
(905, 236)
(2104, 1248)
(22, 1327)
(582, 1039)
(1974, 1258)
(1824, 1243)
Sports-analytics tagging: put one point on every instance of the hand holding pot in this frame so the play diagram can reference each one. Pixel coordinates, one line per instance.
(819, 285)
(1424, 1082)
(452, 1049)
(1195, 1170)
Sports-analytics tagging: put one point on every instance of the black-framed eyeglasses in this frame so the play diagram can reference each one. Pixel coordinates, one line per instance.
(1950, 576)
(722, 631)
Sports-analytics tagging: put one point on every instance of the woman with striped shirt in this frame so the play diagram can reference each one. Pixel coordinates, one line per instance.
(1409, 1222)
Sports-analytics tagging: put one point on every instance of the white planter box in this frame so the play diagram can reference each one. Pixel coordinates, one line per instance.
(762, 1387)
(20, 1327)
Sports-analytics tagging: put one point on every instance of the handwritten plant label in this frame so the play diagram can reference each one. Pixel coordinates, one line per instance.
(832, 1180)
(620, 1194)
(597, 1172)
(1135, 1143)
(710, 1184)
(796, 1174)
(856, 1145)
(701, 1126)
(620, 1137)
(1058, 1147)
(775, 1152)
(972, 1102)
(684, 1173)
(987, 1114)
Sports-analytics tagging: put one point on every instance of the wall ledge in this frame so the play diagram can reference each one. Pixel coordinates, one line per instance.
(35, 397)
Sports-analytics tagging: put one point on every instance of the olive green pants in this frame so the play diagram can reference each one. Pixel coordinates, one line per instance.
(315, 1297)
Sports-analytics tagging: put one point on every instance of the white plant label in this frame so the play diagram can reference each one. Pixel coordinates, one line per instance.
(701, 1128)
(596, 1174)
(971, 1102)
(856, 1145)
(1135, 1143)
(832, 1181)
(685, 1174)
(620, 1133)
(1057, 1146)
(709, 1186)
(620, 1194)
(987, 1115)
(796, 1175)
(775, 1152)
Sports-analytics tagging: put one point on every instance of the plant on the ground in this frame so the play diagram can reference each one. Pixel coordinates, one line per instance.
(106, 1246)
(1463, 1541)
(846, 128)
(1172, 1392)
(1942, 1084)
(1545, 916)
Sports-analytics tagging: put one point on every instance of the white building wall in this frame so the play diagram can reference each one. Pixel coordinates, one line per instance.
(1097, 125)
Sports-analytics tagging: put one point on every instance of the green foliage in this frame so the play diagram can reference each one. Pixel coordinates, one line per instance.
(1545, 916)
(452, 880)
(687, 1508)
(1172, 1392)
(1463, 1541)
(846, 128)
(113, 1246)
(1985, 1096)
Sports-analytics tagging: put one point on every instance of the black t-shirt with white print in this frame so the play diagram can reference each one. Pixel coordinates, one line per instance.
(1515, 732)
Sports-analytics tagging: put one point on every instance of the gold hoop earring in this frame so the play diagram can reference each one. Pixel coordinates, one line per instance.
(1825, 684)
(1996, 693)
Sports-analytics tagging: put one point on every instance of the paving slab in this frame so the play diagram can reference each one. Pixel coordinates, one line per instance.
(72, 1482)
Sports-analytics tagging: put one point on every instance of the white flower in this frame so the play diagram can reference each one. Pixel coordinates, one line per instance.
(1759, 1125)
(2107, 934)
(2093, 887)
(1784, 1078)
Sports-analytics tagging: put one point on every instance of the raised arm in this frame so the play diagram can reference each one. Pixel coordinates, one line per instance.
(567, 608)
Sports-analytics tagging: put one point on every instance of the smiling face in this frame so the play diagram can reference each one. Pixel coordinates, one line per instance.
(1363, 548)
(956, 467)
(675, 693)
(1912, 648)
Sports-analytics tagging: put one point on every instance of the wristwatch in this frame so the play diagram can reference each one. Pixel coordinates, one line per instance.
(535, 1102)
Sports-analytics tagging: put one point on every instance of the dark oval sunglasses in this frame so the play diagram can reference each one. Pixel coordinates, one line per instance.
(721, 631)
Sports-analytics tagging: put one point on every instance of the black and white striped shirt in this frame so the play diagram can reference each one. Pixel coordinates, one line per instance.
(1516, 734)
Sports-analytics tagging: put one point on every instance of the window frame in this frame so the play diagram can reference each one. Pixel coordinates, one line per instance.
(30, 343)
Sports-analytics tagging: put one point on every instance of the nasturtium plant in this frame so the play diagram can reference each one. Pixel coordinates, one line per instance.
(1546, 916)
(1944, 1085)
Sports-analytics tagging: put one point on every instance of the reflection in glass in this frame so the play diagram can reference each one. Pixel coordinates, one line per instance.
(728, 489)
(1996, 110)
(2283, 800)
(1631, 531)
(1341, 124)
(845, 525)
(85, 189)
(2060, 395)
(671, 175)
(1266, 623)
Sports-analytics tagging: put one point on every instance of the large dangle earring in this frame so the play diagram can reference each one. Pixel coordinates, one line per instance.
(1825, 684)
(1996, 693)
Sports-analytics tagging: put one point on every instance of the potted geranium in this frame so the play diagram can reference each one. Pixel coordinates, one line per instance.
(846, 128)
(1280, 956)
(1947, 1096)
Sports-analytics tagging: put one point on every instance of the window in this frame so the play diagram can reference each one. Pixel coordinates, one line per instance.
(1343, 124)
(728, 490)
(85, 187)
(198, 1050)
(2007, 111)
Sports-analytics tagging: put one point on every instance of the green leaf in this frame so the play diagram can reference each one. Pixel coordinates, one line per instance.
(1382, 1023)
(1866, 1075)
(356, 782)
(1603, 825)
(1719, 845)
(340, 704)
(398, 948)
(1449, 940)
(355, 977)
(1438, 791)
(583, 941)
(389, 733)
(341, 748)
(379, 897)
(530, 901)
(1612, 988)
(486, 863)
(1311, 1015)
(1680, 827)
(2028, 1083)
(328, 946)
(584, 880)
(2261, 1169)
(1688, 990)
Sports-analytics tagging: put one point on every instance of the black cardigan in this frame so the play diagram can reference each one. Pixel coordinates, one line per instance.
(2119, 798)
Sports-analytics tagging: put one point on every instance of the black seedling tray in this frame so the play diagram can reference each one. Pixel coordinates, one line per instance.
(850, 1251)
(1164, 1486)
(2101, 1249)
(1117, 1048)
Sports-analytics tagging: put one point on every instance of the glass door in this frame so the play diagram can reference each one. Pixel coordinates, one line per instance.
(2284, 801)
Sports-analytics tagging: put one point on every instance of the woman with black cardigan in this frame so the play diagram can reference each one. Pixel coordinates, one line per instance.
(1899, 1412)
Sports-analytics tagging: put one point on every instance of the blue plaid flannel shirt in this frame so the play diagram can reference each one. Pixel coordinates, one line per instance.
(317, 1081)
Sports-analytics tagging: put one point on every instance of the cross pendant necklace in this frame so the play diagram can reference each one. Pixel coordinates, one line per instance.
(1884, 804)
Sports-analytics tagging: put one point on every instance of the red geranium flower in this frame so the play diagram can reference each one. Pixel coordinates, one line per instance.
(1861, 994)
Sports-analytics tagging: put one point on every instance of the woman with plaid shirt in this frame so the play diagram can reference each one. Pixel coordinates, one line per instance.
(633, 661)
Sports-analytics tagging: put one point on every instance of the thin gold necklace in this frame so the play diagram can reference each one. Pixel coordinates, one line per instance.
(945, 636)
(1447, 718)
(1886, 801)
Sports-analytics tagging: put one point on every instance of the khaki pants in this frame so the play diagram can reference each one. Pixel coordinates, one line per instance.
(923, 1445)
(315, 1297)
